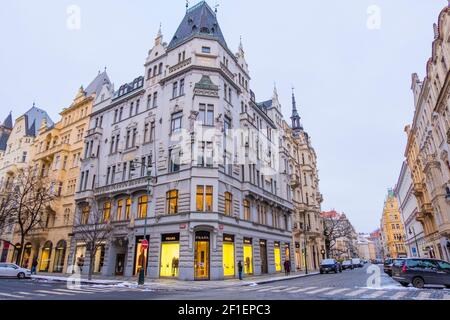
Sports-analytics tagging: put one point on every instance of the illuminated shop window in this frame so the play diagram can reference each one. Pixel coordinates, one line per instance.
(201, 255)
(141, 256)
(248, 256)
(277, 255)
(228, 256)
(46, 256)
(170, 255)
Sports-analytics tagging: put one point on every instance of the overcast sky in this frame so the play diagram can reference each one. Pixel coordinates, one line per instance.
(350, 62)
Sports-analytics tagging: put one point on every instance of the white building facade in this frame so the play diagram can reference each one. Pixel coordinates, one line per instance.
(219, 193)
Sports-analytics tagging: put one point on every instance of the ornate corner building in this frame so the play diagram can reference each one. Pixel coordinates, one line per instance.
(392, 229)
(427, 150)
(308, 229)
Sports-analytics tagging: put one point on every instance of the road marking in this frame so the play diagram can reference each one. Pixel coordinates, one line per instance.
(356, 293)
(302, 289)
(271, 288)
(31, 294)
(399, 295)
(423, 296)
(53, 292)
(284, 290)
(318, 290)
(336, 291)
(11, 295)
(253, 288)
(74, 291)
(376, 294)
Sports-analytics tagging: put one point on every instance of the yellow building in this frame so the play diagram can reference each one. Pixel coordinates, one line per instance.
(392, 228)
(56, 154)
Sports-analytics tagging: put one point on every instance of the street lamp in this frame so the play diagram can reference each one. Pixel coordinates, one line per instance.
(415, 239)
(323, 253)
(145, 244)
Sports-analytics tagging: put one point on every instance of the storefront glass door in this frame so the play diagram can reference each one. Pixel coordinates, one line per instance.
(248, 256)
(201, 256)
(263, 253)
(277, 254)
(228, 256)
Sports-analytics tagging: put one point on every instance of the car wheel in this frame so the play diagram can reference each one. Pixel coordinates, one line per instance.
(21, 275)
(405, 284)
(321, 272)
(448, 286)
(418, 283)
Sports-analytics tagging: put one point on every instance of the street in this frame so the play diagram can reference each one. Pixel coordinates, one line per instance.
(348, 285)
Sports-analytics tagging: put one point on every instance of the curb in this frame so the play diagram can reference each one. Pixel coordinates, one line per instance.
(82, 281)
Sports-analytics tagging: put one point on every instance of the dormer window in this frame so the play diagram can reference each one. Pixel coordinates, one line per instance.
(204, 30)
(194, 28)
(206, 49)
(190, 20)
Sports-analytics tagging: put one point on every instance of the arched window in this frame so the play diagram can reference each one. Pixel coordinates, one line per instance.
(46, 256)
(155, 70)
(160, 68)
(172, 202)
(106, 211)
(228, 203)
(60, 256)
(142, 207)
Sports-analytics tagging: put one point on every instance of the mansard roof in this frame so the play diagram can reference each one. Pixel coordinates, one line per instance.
(199, 21)
(266, 104)
(4, 141)
(96, 85)
(8, 122)
(33, 120)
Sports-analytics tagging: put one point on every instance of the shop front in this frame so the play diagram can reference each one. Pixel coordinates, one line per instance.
(287, 252)
(170, 255)
(228, 256)
(298, 259)
(140, 256)
(80, 256)
(5, 250)
(202, 255)
(26, 257)
(277, 256)
(248, 256)
(99, 258)
(263, 254)
(60, 256)
(46, 256)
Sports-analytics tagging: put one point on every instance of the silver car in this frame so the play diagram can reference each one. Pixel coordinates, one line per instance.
(13, 270)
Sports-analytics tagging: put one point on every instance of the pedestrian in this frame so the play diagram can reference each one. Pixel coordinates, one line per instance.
(80, 263)
(287, 267)
(240, 267)
(34, 265)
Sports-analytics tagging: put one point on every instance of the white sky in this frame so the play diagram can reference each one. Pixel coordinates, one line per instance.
(352, 83)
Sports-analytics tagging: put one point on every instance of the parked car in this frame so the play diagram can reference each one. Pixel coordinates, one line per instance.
(387, 266)
(347, 264)
(357, 263)
(328, 265)
(420, 272)
(13, 270)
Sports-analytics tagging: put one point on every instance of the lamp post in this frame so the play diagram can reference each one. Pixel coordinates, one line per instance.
(141, 279)
(323, 253)
(415, 240)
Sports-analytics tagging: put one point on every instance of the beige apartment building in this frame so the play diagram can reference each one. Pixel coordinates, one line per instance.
(392, 228)
(427, 151)
(307, 222)
(56, 152)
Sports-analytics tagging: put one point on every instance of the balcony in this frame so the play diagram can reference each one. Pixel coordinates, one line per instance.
(227, 71)
(122, 186)
(84, 195)
(268, 196)
(180, 65)
(62, 147)
(294, 181)
(94, 131)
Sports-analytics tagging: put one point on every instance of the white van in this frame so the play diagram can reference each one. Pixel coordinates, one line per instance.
(357, 263)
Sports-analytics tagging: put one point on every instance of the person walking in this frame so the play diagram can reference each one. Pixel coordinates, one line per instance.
(34, 265)
(80, 263)
(240, 268)
(287, 267)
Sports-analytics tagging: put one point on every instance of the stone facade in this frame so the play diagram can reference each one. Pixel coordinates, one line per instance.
(187, 156)
(427, 151)
(392, 229)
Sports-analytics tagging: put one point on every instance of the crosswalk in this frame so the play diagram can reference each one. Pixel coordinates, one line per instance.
(346, 293)
(62, 293)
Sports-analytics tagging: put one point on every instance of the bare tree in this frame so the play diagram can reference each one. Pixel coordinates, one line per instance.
(93, 227)
(338, 228)
(27, 202)
(6, 210)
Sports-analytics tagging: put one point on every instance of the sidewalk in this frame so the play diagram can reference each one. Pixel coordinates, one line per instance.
(173, 284)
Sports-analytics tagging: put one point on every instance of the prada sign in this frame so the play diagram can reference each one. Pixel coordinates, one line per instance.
(173, 237)
(248, 241)
(228, 238)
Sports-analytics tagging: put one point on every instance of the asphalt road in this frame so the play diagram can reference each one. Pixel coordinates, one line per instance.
(359, 284)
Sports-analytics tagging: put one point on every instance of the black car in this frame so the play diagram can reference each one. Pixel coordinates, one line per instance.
(347, 264)
(420, 272)
(330, 265)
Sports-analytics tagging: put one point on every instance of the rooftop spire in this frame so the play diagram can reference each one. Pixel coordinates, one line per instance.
(296, 125)
(159, 36)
